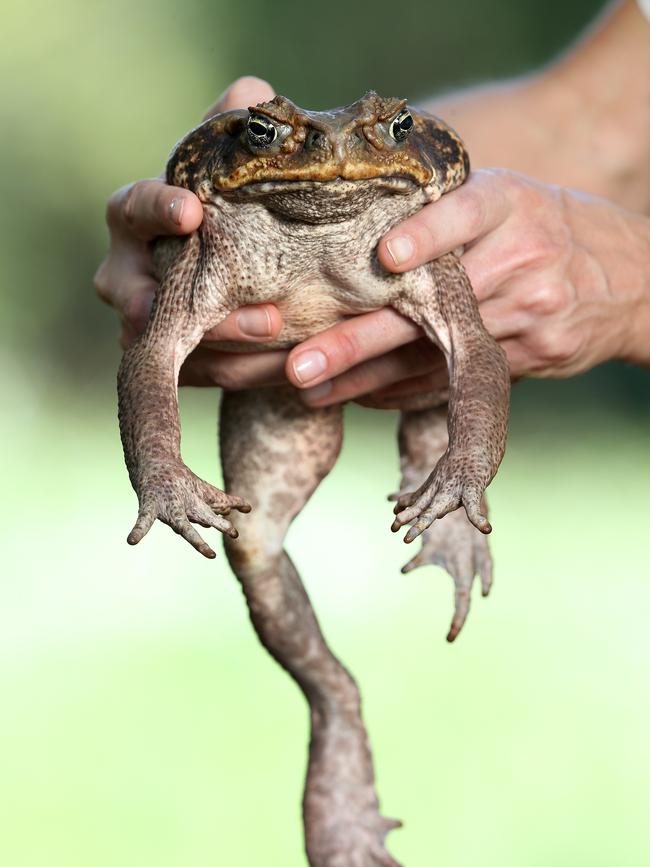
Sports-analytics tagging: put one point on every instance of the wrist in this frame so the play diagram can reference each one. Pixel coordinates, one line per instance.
(637, 350)
(609, 270)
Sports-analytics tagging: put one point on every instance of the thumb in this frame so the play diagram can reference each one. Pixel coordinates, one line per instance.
(244, 91)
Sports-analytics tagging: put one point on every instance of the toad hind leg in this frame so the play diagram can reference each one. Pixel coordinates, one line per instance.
(451, 542)
(276, 451)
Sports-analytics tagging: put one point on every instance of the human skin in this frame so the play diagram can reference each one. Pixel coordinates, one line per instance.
(562, 277)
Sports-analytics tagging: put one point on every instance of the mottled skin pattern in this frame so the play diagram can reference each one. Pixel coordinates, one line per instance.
(295, 203)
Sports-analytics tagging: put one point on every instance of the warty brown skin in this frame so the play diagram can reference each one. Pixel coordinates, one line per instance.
(295, 221)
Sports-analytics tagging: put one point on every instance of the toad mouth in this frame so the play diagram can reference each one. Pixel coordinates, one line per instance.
(338, 185)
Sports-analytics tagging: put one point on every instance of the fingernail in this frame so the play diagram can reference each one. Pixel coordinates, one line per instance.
(309, 365)
(312, 395)
(176, 210)
(255, 322)
(400, 248)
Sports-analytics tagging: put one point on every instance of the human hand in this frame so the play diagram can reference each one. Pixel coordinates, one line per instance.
(142, 211)
(561, 279)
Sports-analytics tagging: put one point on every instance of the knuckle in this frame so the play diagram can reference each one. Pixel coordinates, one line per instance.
(346, 349)
(542, 248)
(519, 194)
(226, 375)
(518, 186)
(520, 190)
(101, 282)
(131, 202)
(113, 207)
(137, 310)
(357, 381)
(116, 205)
(546, 299)
(475, 210)
(553, 347)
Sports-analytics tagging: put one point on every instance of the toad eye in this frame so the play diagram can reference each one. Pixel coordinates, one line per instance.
(400, 126)
(261, 132)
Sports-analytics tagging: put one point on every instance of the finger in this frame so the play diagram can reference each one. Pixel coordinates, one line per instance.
(257, 322)
(347, 344)
(183, 527)
(503, 319)
(423, 505)
(407, 361)
(239, 504)
(414, 563)
(127, 336)
(442, 504)
(462, 599)
(457, 219)
(134, 302)
(381, 855)
(519, 358)
(134, 309)
(517, 256)
(223, 503)
(436, 378)
(207, 518)
(149, 208)
(472, 501)
(391, 824)
(124, 274)
(232, 370)
(244, 91)
(146, 517)
(484, 569)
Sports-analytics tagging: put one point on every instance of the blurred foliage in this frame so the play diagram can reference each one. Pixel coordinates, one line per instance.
(95, 94)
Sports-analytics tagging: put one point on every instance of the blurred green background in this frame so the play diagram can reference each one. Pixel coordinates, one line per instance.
(141, 724)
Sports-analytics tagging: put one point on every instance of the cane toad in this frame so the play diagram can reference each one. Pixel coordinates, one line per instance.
(295, 202)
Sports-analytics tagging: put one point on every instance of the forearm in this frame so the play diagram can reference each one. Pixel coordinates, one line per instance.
(148, 406)
(583, 122)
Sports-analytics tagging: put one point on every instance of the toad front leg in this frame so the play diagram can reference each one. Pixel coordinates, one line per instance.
(479, 393)
(186, 305)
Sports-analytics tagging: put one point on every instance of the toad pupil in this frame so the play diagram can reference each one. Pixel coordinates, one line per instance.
(401, 126)
(261, 132)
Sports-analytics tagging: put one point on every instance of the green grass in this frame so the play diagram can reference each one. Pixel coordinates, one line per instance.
(143, 725)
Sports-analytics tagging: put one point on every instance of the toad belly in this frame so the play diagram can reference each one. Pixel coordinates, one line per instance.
(305, 312)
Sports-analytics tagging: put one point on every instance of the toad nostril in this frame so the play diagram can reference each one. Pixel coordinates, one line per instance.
(316, 140)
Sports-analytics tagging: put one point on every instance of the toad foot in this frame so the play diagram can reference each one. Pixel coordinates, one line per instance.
(357, 841)
(455, 544)
(172, 493)
(448, 487)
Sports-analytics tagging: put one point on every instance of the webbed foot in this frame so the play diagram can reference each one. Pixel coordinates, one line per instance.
(351, 838)
(458, 547)
(172, 493)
